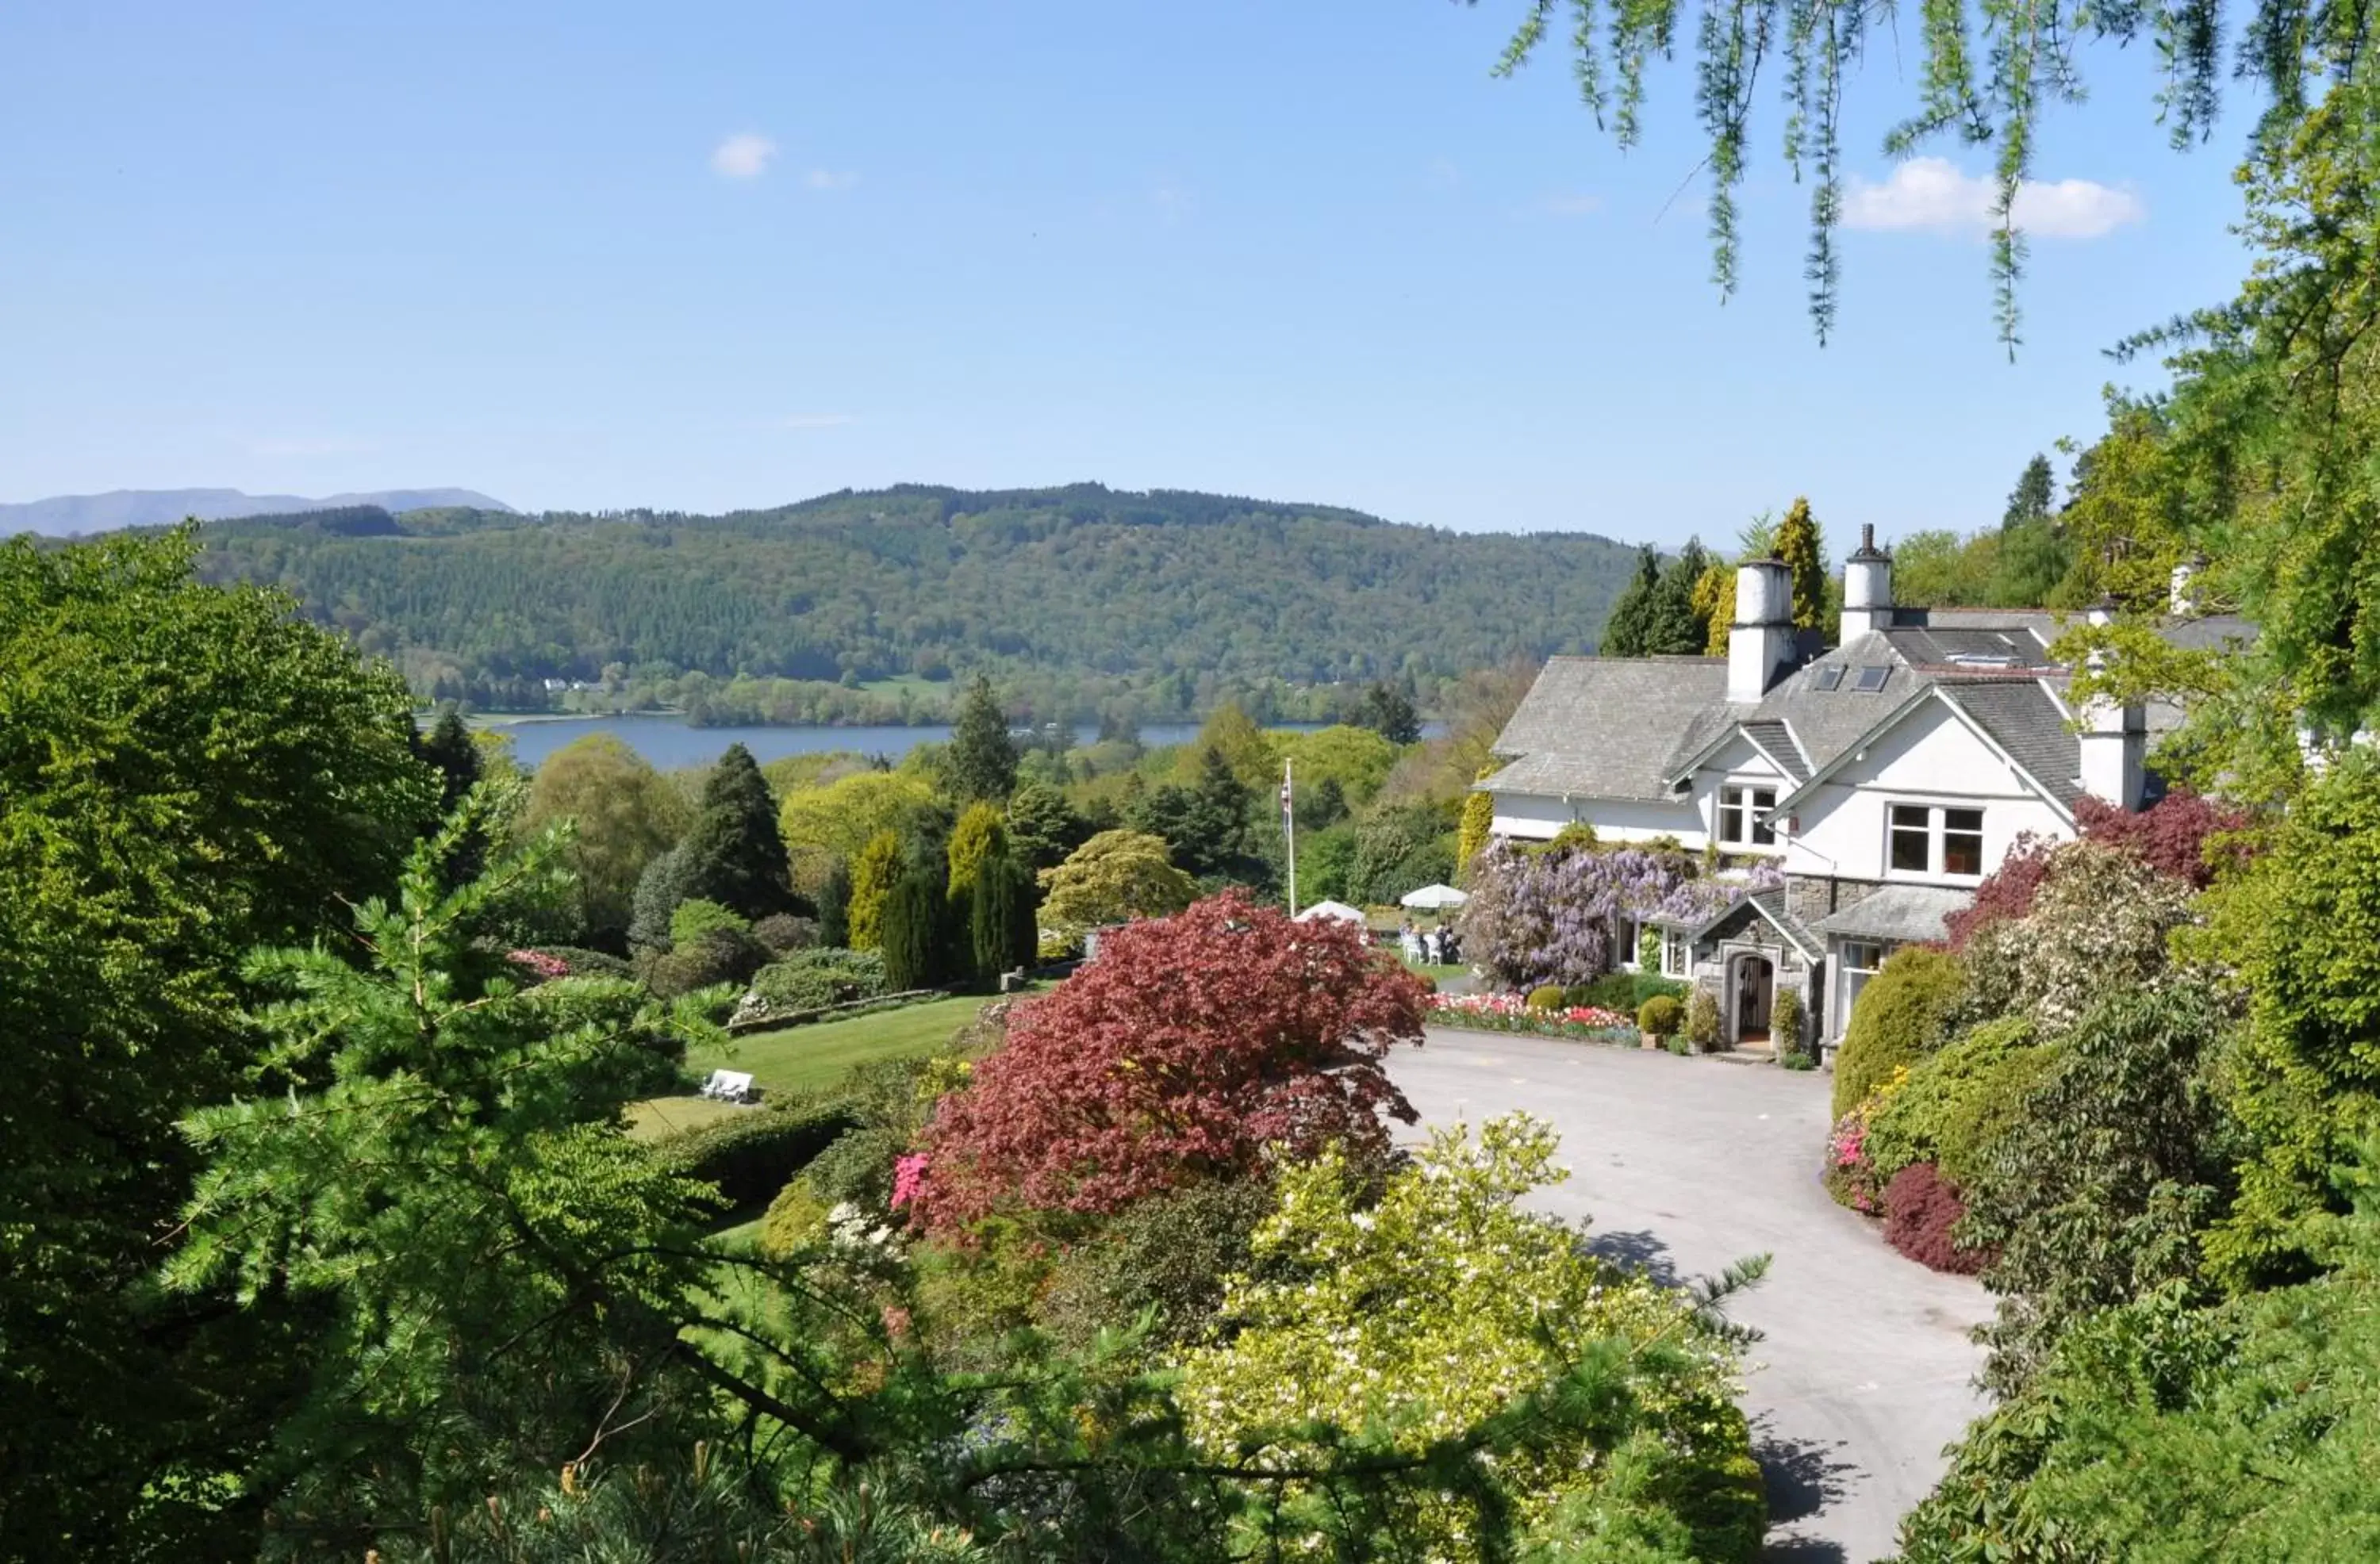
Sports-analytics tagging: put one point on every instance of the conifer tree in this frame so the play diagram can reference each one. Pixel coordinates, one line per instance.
(980, 837)
(2034, 496)
(914, 924)
(981, 761)
(1626, 632)
(834, 907)
(878, 869)
(735, 855)
(1674, 628)
(1000, 917)
(1802, 548)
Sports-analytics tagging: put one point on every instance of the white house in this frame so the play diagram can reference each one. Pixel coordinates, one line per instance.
(1884, 776)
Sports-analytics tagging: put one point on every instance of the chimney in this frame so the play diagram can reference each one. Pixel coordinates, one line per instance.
(2114, 743)
(1760, 642)
(1867, 589)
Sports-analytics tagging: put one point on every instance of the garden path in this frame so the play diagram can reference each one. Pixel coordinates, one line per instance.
(1687, 1164)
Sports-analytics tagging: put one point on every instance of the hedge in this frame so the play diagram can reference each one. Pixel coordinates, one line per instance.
(1626, 991)
(1900, 1017)
(752, 1154)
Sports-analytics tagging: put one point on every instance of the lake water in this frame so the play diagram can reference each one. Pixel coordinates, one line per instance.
(670, 745)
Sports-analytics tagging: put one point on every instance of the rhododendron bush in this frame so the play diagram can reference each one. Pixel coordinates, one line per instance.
(1544, 915)
(1188, 1047)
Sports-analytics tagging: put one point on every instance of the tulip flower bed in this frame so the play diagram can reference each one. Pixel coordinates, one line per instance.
(1508, 1012)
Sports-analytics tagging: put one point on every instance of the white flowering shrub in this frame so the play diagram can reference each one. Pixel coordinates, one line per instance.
(2098, 925)
(1446, 1311)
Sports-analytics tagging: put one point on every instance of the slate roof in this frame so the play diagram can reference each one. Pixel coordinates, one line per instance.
(1605, 727)
(1771, 906)
(1633, 728)
(1906, 913)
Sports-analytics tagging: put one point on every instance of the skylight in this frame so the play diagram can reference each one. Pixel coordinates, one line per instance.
(1829, 677)
(1871, 680)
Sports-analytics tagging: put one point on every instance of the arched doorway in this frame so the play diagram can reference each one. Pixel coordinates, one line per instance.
(1755, 992)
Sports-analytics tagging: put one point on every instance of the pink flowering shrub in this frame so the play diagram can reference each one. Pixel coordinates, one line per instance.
(1850, 1170)
(908, 1172)
(539, 966)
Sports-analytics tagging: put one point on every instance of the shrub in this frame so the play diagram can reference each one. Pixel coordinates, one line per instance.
(795, 984)
(696, 919)
(1624, 991)
(1798, 1061)
(1679, 1045)
(1785, 1021)
(1660, 1015)
(1548, 996)
(2005, 893)
(581, 963)
(722, 956)
(795, 1218)
(1919, 1208)
(2183, 836)
(2100, 922)
(1959, 1100)
(1900, 1017)
(1169, 1254)
(782, 932)
(1702, 1019)
(1190, 1046)
(752, 1154)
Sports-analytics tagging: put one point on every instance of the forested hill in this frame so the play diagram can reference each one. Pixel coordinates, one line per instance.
(1072, 596)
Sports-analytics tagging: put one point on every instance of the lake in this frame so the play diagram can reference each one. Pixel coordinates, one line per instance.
(670, 745)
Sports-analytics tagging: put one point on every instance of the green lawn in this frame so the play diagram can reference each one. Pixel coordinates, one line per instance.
(804, 1058)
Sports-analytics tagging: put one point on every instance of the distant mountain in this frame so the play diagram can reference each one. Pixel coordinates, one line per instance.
(69, 514)
(1072, 598)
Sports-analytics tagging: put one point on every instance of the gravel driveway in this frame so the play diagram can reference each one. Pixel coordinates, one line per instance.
(1686, 1164)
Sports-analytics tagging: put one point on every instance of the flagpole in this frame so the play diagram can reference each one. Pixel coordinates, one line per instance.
(1289, 823)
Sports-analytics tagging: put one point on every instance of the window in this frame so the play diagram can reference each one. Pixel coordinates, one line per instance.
(1677, 953)
(1963, 842)
(1626, 937)
(1871, 680)
(1912, 839)
(1923, 839)
(1743, 816)
(1829, 678)
(1860, 959)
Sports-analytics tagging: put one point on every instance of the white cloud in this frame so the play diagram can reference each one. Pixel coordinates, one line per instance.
(829, 179)
(1933, 193)
(819, 420)
(744, 155)
(1571, 205)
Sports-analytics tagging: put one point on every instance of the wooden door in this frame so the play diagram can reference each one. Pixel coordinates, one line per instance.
(1756, 983)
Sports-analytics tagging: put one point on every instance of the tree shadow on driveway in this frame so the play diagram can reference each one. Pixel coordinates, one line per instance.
(1804, 1477)
(1639, 1252)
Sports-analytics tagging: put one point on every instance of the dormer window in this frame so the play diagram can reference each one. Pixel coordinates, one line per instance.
(1743, 816)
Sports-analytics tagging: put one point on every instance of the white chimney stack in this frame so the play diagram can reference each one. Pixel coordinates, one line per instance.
(1867, 589)
(2114, 743)
(1760, 642)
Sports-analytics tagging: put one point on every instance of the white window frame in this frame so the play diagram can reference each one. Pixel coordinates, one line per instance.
(1758, 820)
(1938, 832)
(1855, 976)
(1677, 953)
(1627, 931)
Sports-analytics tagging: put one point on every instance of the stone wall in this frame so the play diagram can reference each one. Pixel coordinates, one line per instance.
(1810, 897)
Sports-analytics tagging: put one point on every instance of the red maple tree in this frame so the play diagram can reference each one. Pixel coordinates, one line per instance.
(1190, 1045)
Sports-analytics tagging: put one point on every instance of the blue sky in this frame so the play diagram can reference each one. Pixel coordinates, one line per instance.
(701, 257)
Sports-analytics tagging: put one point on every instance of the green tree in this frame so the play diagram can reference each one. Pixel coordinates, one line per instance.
(874, 873)
(1388, 711)
(2034, 498)
(916, 935)
(625, 815)
(1043, 826)
(1358, 759)
(1325, 805)
(1246, 748)
(980, 838)
(1674, 627)
(1629, 630)
(824, 824)
(733, 853)
(1903, 1013)
(448, 747)
(183, 771)
(664, 884)
(1001, 932)
(834, 907)
(1114, 876)
(1802, 547)
(981, 761)
(1206, 824)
